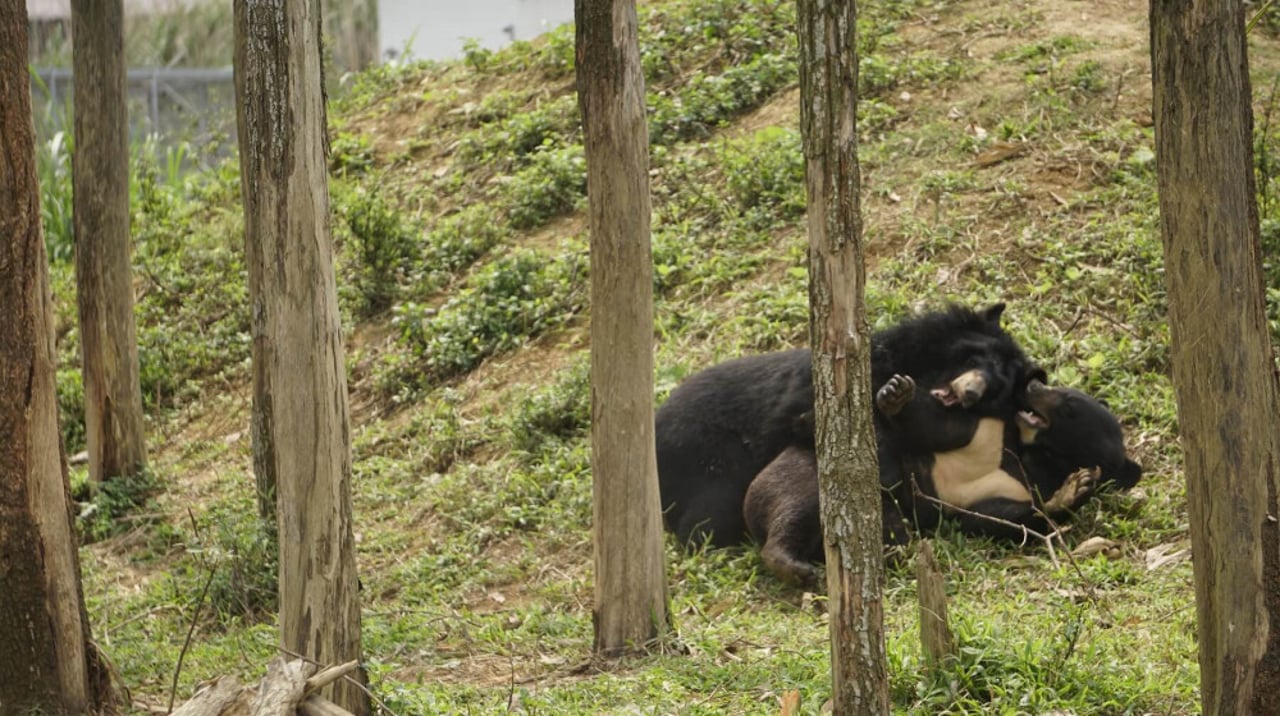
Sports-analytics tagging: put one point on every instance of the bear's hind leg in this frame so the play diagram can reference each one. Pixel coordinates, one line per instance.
(783, 560)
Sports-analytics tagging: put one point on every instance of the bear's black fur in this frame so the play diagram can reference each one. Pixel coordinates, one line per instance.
(1062, 446)
(723, 425)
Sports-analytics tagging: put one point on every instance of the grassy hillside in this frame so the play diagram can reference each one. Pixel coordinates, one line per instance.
(1007, 155)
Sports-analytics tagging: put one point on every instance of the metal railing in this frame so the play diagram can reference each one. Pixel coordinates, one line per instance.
(176, 104)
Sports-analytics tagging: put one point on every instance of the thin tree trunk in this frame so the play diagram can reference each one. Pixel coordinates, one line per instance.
(848, 473)
(46, 662)
(301, 421)
(631, 591)
(1223, 364)
(352, 33)
(115, 431)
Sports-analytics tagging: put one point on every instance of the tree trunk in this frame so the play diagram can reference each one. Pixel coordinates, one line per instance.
(301, 428)
(849, 478)
(1223, 364)
(352, 32)
(631, 591)
(47, 664)
(115, 432)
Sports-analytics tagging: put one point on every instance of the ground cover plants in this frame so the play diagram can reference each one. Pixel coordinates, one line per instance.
(1006, 155)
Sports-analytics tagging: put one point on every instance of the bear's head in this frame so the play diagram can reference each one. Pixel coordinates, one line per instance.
(987, 367)
(1063, 430)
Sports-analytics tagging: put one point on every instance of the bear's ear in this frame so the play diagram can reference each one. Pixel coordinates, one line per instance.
(1035, 372)
(993, 313)
(1130, 473)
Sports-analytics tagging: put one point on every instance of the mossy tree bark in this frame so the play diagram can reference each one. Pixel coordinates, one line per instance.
(630, 591)
(301, 421)
(46, 658)
(1223, 364)
(849, 478)
(115, 432)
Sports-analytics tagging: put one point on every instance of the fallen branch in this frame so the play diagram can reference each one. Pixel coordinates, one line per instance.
(288, 689)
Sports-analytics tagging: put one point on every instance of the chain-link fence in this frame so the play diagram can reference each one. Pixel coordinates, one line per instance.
(176, 105)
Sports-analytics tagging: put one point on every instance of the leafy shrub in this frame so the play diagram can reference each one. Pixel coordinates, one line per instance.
(552, 185)
(112, 499)
(457, 241)
(513, 139)
(706, 102)
(193, 307)
(557, 413)
(71, 408)
(765, 175)
(511, 300)
(475, 54)
(242, 556)
(383, 247)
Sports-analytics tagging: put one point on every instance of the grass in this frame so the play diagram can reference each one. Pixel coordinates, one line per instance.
(458, 214)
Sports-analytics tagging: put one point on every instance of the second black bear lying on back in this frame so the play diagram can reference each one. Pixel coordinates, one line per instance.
(723, 425)
(1062, 446)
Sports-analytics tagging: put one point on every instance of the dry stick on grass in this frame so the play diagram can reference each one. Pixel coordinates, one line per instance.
(1055, 532)
(1026, 531)
(195, 617)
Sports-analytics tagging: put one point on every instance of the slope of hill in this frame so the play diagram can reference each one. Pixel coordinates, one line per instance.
(1007, 156)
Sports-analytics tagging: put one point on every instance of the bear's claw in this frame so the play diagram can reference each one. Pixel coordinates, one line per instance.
(894, 395)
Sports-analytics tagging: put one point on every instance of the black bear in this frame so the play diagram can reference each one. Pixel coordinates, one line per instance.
(1047, 458)
(723, 425)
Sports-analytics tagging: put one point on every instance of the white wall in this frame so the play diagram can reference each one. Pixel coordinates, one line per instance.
(435, 29)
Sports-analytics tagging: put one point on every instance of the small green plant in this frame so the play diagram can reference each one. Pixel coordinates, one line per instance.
(560, 412)
(514, 139)
(556, 56)
(53, 164)
(475, 54)
(384, 247)
(350, 154)
(71, 408)
(1089, 77)
(878, 74)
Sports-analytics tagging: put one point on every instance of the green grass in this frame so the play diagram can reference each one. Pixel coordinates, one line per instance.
(458, 214)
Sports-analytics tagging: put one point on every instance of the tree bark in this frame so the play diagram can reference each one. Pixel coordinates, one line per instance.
(46, 658)
(301, 415)
(1223, 364)
(114, 429)
(630, 591)
(849, 478)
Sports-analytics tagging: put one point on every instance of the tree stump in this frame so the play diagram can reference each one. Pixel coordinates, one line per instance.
(935, 631)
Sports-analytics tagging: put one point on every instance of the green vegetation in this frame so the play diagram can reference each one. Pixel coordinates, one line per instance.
(1012, 170)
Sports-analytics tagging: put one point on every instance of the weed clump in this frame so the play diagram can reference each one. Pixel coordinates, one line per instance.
(383, 246)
